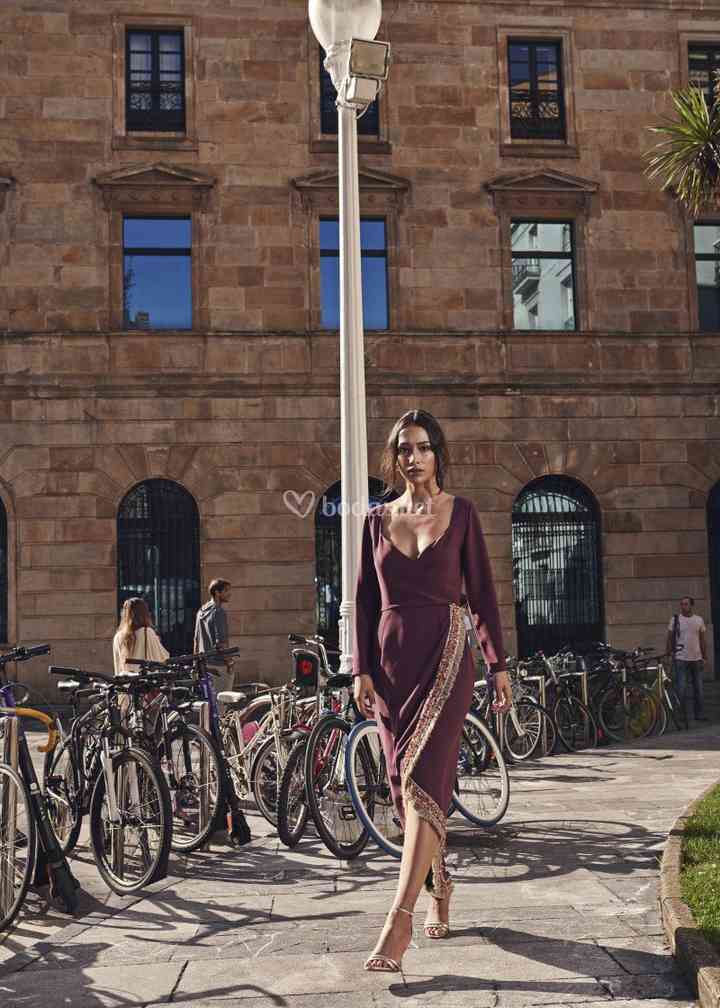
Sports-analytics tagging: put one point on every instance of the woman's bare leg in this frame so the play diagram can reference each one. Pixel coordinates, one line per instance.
(420, 845)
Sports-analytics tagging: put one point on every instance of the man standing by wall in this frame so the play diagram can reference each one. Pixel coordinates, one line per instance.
(212, 632)
(687, 649)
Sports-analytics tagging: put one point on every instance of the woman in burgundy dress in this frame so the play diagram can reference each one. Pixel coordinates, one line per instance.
(413, 669)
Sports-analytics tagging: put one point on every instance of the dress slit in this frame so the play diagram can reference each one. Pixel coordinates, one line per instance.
(412, 794)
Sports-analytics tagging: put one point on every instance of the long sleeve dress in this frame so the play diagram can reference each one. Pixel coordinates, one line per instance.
(410, 638)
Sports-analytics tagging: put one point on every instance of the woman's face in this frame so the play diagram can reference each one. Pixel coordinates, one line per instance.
(415, 457)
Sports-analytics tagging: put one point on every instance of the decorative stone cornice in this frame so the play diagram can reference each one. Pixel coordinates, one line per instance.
(541, 190)
(378, 183)
(167, 186)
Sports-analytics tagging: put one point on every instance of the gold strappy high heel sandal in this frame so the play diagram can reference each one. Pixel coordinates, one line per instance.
(439, 929)
(378, 963)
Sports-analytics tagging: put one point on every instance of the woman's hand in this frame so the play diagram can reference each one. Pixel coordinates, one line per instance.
(364, 693)
(503, 690)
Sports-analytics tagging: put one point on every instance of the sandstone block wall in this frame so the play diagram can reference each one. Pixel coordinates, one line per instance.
(246, 405)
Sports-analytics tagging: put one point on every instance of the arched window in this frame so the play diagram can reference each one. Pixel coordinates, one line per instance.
(557, 577)
(713, 525)
(3, 574)
(158, 539)
(328, 555)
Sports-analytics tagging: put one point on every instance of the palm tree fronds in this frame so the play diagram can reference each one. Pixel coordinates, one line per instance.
(687, 158)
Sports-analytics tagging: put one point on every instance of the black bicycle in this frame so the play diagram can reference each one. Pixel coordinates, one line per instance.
(29, 850)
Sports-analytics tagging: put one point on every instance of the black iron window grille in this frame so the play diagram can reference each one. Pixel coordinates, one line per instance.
(543, 275)
(328, 556)
(703, 68)
(537, 104)
(557, 576)
(155, 81)
(368, 124)
(158, 536)
(374, 264)
(3, 575)
(707, 275)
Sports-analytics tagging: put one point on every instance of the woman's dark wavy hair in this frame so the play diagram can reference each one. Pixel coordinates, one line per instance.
(416, 418)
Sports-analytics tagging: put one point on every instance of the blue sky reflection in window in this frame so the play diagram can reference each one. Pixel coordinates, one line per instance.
(374, 273)
(157, 273)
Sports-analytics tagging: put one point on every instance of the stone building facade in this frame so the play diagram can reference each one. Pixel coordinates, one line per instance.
(243, 405)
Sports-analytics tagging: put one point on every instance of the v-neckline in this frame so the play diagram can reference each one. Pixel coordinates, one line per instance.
(429, 546)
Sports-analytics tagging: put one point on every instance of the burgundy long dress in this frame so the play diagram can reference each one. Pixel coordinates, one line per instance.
(411, 639)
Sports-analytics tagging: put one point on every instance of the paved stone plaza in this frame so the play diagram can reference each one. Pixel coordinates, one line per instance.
(558, 905)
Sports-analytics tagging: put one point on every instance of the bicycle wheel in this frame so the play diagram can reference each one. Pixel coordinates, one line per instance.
(131, 849)
(524, 729)
(292, 810)
(676, 712)
(482, 790)
(61, 787)
(575, 723)
(327, 788)
(628, 713)
(18, 843)
(369, 787)
(265, 773)
(192, 771)
(661, 718)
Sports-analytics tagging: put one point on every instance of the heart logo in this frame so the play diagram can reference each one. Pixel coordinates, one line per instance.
(299, 504)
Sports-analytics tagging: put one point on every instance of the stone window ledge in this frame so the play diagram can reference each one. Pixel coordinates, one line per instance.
(365, 146)
(154, 142)
(532, 149)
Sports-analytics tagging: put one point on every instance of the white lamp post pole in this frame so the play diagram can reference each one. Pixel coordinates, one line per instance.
(335, 24)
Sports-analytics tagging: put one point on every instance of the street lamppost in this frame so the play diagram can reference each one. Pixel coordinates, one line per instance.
(358, 66)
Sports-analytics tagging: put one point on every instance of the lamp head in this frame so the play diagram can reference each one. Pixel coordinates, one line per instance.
(335, 21)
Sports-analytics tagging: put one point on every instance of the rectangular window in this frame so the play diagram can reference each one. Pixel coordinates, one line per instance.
(707, 272)
(537, 108)
(704, 65)
(155, 81)
(374, 273)
(368, 124)
(543, 275)
(157, 275)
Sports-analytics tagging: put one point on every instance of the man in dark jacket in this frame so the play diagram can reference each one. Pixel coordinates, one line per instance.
(212, 632)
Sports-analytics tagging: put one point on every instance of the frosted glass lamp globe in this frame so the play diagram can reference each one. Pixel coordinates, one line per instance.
(335, 21)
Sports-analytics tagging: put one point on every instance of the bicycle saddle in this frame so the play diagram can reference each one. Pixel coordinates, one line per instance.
(339, 681)
(232, 699)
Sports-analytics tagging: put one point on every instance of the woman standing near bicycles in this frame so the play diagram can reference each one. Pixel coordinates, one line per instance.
(136, 637)
(411, 660)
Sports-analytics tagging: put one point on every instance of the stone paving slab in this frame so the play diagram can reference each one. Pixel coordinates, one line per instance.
(557, 905)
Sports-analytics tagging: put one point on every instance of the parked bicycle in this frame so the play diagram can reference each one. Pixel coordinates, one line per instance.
(29, 851)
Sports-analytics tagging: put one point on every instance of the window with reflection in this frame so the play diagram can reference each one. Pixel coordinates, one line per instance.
(557, 577)
(707, 274)
(537, 108)
(703, 67)
(157, 273)
(543, 275)
(155, 81)
(368, 124)
(373, 241)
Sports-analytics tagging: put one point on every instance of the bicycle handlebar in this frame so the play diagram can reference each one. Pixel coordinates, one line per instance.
(76, 673)
(36, 715)
(21, 654)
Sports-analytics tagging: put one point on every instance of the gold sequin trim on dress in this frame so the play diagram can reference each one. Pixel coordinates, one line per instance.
(425, 806)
